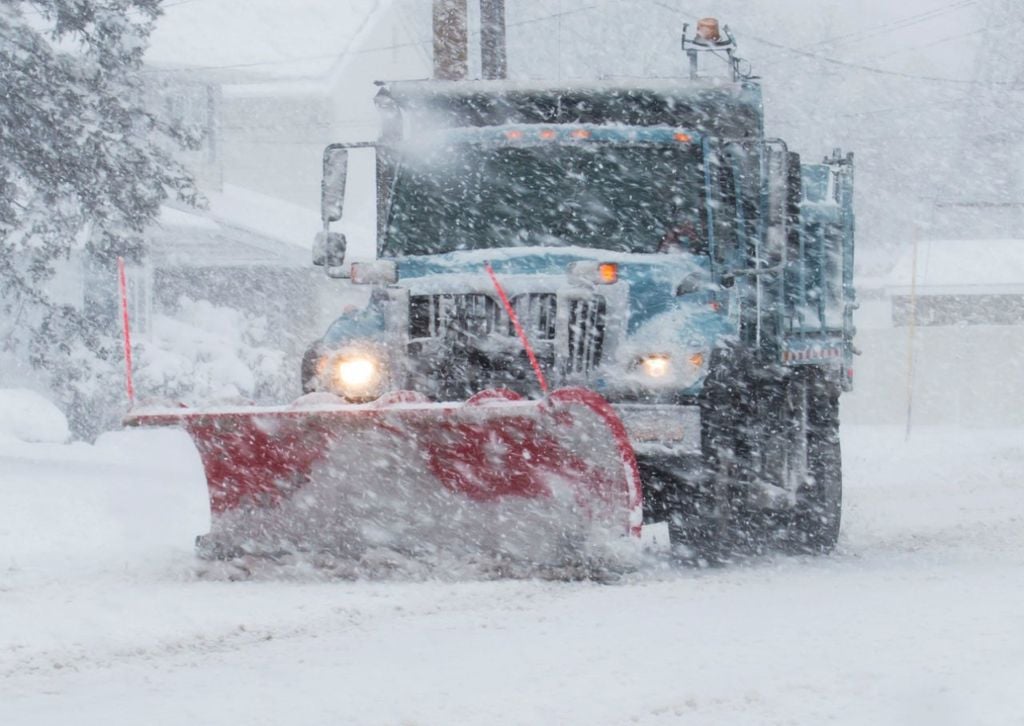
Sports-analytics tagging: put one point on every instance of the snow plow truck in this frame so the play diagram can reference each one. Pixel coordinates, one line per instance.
(593, 306)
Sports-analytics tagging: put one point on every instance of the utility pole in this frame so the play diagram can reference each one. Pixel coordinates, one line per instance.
(493, 57)
(451, 42)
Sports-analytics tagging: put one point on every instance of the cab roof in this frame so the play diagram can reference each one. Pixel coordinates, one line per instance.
(716, 108)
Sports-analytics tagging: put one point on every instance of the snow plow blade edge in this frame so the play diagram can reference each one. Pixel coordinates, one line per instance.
(496, 473)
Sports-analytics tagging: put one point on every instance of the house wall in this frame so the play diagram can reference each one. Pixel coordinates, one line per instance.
(273, 144)
(195, 104)
(272, 135)
(969, 375)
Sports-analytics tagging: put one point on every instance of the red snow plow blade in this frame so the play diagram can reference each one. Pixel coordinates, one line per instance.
(524, 479)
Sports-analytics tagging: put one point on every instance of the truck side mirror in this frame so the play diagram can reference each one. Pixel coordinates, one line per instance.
(332, 186)
(329, 249)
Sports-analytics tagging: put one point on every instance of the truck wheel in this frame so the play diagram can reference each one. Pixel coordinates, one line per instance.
(813, 463)
(705, 517)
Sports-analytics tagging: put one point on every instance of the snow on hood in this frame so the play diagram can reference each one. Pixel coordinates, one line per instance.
(544, 260)
(651, 278)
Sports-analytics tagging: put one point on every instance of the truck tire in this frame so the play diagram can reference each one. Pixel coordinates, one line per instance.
(705, 520)
(817, 511)
(790, 446)
(783, 432)
(798, 452)
(699, 509)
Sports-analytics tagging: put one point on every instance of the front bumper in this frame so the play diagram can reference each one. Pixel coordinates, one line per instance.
(662, 429)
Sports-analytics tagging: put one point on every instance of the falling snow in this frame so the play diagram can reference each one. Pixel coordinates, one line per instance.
(380, 541)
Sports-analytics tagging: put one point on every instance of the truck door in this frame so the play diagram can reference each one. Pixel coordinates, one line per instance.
(770, 260)
(756, 191)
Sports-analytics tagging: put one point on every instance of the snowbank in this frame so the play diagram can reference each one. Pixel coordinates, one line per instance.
(71, 509)
(27, 416)
(209, 353)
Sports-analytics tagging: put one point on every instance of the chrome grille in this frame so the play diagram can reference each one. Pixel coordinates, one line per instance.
(538, 314)
(468, 316)
(477, 315)
(586, 334)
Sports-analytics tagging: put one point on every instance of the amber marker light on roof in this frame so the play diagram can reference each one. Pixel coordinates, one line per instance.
(547, 134)
(707, 30)
(684, 138)
(513, 135)
(608, 272)
(580, 134)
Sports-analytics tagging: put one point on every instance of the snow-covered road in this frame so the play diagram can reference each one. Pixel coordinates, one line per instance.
(919, 618)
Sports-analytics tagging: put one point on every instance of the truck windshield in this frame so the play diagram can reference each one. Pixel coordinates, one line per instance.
(627, 198)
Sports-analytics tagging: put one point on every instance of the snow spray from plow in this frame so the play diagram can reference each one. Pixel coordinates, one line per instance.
(534, 481)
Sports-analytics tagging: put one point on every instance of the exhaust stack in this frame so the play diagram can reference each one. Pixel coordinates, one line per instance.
(493, 56)
(450, 40)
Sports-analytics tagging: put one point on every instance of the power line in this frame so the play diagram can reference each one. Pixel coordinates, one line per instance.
(882, 28)
(857, 66)
(891, 110)
(878, 71)
(932, 43)
(897, 24)
(870, 112)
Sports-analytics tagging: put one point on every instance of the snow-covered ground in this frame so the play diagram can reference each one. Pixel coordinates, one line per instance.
(919, 618)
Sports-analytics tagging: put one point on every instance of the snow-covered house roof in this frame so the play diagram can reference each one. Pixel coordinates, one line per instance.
(959, 267)
(241, 227)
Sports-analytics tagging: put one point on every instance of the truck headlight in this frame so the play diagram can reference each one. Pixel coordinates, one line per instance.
(668, 369)
(656, 366)
(358, 376)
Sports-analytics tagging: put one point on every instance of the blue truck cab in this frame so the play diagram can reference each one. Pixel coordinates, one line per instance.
(656, 246)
